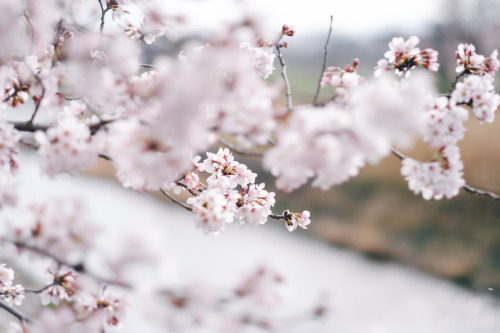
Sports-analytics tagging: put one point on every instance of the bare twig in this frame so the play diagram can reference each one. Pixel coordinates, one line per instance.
(39, 101)
(184, 185)
(467, 188)
(22, 318)
(30, 25)
(315, 99)
(277, 217)
(480, 193)
(175, 200)
(398, 154)
(454, 83)
(239, 151)
(79, 267)
(103, 13)
(30, 127)
(284, 75)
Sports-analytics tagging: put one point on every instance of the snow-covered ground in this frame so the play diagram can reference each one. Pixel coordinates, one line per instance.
(364, 296)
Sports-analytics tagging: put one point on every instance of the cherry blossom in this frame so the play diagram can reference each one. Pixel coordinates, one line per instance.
(95, 90)
(478, 93)
(61, 285)
(443, 122)
(440, 178)
(68, 147)
(9, 293)
(469, 62)
(294, 220)
(403, 56)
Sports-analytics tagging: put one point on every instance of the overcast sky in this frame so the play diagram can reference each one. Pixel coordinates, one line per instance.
(351, 17)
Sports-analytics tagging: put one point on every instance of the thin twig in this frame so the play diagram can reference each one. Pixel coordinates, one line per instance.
(454, 83)
(284, 75)
(398, 154)
(22, 318)
(277, 217)
(103, 13)
(175, 200)
(239, 151)
(39, 101)
(184, 185)
(30, 127)
(30, 25)
(467, 188)
(79, 267)
(315, 100)
(480, 193)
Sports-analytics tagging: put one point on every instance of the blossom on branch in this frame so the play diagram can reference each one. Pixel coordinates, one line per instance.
(403, 56)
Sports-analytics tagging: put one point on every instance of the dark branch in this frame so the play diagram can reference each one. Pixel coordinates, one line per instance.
(79, 267)
(22, 318)
(39, 101)
(284, 75)
(480, 193)
(454, 83)
(103, 13)
(30, 127)
(239, 151)
(277, 217)
(175, 200)
(315, 100)
(183, 185)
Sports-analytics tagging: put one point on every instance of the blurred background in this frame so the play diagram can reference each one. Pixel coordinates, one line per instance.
(375, 213)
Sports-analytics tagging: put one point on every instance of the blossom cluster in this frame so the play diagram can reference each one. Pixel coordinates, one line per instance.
(469, 62)
(67, 147)
(9, 138)
(403, 56)
(478, 92)
(9, 293)
(442, 177)
(82, 304)
(330, 143)
(58, 226)
(443, 125)
(221, 202)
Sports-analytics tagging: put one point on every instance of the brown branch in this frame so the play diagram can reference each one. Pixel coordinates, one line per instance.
(79, 267)
(277, 217)
(184, 185)
(39, 101)
(22, 318)
(174, 200)
(103, 13)
(239, 151)
(480, 193)
(30, 127)
(454, 83)
(284, 75)
(466, 188)
(315, 99)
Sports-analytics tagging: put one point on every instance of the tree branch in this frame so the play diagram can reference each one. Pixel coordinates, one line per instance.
(39, 101)
(79, 267)
(480, 193)
(103, 13)
(174, 200)
(22, 318)
(239, 151)
(454, 83)
(315, 99)
(284, 75)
